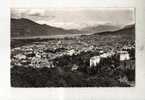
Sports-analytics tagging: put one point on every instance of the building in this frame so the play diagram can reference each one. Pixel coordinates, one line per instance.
(94, 61)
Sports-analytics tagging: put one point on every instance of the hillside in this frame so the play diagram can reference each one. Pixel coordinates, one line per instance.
(24, 28)
(100, 28)
(126, 30)
(115, 39)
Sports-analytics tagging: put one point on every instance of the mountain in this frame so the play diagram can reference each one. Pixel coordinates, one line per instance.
(125, 33)
(126, 30)
(100, 28)
(24, 28)
(112, 39)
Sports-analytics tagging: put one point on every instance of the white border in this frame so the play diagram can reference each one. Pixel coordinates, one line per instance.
(8, 93)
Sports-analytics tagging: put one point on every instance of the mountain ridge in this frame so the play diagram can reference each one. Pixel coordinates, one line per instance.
(26, 28)
(126, 30)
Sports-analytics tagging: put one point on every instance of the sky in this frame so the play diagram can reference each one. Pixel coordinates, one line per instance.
(77, 18)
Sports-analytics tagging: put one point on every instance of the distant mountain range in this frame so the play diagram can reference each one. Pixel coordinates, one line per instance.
(100, 28)
(26, 28)
(126, 30)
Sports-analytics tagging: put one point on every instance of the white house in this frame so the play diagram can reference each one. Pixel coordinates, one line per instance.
(104, 55)
(20, 56)
(101, 51)
(38, 55)
(74, 67)
(124, 55)
(108, 54)
(71, 52)
(94, 61)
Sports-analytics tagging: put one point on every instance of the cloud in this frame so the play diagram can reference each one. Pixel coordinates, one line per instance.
(37, 12)
(32, 14)
(18, 13)
(73, 25)
(28, 12)
(76, 18)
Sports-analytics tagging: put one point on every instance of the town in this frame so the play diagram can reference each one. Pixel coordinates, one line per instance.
(41, 56)
(75, 55)
(87, 47)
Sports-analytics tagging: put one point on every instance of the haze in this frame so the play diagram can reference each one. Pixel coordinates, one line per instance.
(77, 18)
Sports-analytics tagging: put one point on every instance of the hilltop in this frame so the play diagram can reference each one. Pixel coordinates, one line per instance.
(24, 28)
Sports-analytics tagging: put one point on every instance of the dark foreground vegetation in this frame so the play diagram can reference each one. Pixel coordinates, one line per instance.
(120, 75)
(45, 77)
